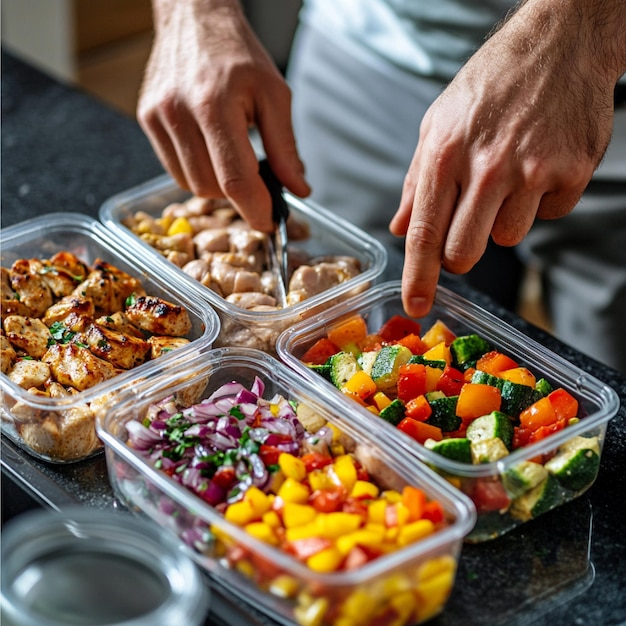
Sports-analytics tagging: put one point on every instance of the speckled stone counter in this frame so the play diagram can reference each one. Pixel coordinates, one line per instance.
(64, 151)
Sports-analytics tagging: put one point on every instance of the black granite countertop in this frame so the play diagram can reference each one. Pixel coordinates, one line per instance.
(62, 150)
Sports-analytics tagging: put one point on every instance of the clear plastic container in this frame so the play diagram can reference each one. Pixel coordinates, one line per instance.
(329, 235)
(88, 567)
(418, 576)
(501, 502)
(62, 429)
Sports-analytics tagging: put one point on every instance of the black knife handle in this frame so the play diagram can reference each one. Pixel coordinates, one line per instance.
(274, 186)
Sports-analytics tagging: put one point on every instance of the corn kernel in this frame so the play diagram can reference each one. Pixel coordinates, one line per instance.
(295, 514)
(292, 466)
(179, 226)
(262, 531)
(364, 488)
(325, 561)
(293, 491)
(410, 533)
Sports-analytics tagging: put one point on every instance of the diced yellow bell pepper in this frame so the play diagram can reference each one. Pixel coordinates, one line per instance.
(272, 519)
(179, 226)
(362, 537)
(410, 533)
(325, 561)
(381, 400)
(284, 586)
(439, 352)
(258, 499)
(293, 491)
(392, 496)
(364, 488)
(320, 480)
(376, 511)
(312, 614)
(292, 466)
(361, 384)
(296, 514)
(240, 513)
(333, 525)
(262, 531)
(433, 374)
(345, 471)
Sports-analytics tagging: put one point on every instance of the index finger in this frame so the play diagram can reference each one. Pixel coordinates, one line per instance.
(433, 207)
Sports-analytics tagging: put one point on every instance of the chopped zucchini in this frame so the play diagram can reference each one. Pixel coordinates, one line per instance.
(343, 366)
(322, 370)
(444, 413)
(388, 361)
(456, 448)
(488, 450)
(366, 360)
(393, 412)
(576, 464)
(434, 395)
(543, 388)
(467, 349)
(483, 378)
(541, 498)
(516, 397)
(496, 424)
(523, 477)
(420, 358)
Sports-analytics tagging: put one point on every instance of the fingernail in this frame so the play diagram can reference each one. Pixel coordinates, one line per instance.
(417, 306)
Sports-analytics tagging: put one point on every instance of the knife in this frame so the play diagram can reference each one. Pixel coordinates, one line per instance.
(278, 239)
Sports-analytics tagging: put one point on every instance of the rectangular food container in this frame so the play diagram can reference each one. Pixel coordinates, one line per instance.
(515, 488)
(410, 584)
(328, 235)
(61, 429)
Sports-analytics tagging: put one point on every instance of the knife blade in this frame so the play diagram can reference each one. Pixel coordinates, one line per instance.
(278, 239)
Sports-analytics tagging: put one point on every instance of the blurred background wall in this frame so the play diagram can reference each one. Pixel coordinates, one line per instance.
(103, 45)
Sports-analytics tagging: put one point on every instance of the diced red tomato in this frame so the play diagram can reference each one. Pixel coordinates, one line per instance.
(320, 352)
(356, 506)
(411, 381)
(399, 326)
(451, 381)
(327, 500)
(489, 495)
(304, 548)
(315, 460)
(564, 404)
(544, 431)
(359, 556)
(418, 409)
(433, 511)
(225, 476)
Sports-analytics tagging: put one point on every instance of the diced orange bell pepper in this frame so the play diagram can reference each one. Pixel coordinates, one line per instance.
(476, 400)
(399, 326)
(540, 413)
(420, 431)
(352, 330)
(418, 409)
(519, 375)
(433, 374)
(320, 352)
(415, 500)
(438, 333)
(411, 381)
(372, 342)
(361, 384)
(439, 352)
(564, 404)
(495, 362)
(414, 343)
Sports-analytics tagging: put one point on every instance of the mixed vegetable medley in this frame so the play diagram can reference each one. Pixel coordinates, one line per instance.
(294, 481)
(464, 400)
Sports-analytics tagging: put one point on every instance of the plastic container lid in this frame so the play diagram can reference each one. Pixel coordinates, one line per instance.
(89, 567)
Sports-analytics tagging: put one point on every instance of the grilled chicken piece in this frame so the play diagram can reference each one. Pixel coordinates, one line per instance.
(63, 272)
(71, 264)
(252, 299)
(29, 373)
(70, 434)
(201, 271)
(122, 351)
(108, 286)
(163, 345)
(7, 355)
(232, 279)
(27, 281)
(75, 306)
(221, 218)
(118, 321)
(159, 317)
(213, 240)
(308, 281)
(142, 222)
(181, 242)
(75, 366)
(246, 240)
(179, 259)
(29, 334)
(9, 300)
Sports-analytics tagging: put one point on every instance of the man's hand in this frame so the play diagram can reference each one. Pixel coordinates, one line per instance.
(516, 135)
(207, 82)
